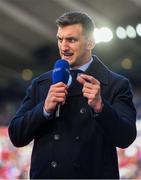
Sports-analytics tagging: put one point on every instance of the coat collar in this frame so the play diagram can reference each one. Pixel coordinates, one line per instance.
(98, 70)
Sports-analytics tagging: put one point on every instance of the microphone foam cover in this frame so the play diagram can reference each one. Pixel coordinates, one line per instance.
(61, 71)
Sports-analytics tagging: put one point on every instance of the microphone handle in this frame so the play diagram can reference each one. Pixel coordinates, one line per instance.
(58, 110)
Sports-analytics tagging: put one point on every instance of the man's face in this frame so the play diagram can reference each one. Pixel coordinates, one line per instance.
(73, 45)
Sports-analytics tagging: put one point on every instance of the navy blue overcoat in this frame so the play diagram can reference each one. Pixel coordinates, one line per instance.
(80, 143)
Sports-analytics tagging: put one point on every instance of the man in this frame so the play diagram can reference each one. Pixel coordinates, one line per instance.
(96, 116)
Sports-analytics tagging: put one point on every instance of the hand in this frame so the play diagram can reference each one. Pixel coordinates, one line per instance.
(57, 94)
(91, 90)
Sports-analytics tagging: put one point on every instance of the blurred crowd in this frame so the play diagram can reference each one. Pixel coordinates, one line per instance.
(14, 162)
(130, 158)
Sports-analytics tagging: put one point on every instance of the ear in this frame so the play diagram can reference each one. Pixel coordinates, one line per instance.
(90, 44)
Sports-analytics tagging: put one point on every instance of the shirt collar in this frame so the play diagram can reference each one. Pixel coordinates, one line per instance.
(85, 66)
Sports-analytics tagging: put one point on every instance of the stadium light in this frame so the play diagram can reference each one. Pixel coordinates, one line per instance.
(138, 29)
(121, 33)
(127, 63)
(131, 33)
(27, 74)
(103, 34)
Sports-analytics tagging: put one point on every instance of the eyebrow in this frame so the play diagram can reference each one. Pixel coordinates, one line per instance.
(67, 38)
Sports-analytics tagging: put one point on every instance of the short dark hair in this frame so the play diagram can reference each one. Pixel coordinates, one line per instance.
(75, 17)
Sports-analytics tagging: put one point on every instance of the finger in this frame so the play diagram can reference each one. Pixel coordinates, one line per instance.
(60, 84)
(58, 100)
(61, 90)
(89, 95)
(81, 80)
(89, 85)
(58, 89)
(89, 78)
(60, 95)
(54, 95)
(87, 90)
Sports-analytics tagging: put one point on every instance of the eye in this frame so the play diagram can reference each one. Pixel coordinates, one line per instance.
(59, 39)
(72, 40)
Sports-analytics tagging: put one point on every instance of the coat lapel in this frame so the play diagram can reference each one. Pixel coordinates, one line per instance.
(98, 70)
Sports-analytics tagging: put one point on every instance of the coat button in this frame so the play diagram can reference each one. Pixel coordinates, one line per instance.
(54, 164)
(77, 138)
(82, 110)
(56, 137)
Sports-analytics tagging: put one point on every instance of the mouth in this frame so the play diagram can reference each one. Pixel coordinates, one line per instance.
(67, 55)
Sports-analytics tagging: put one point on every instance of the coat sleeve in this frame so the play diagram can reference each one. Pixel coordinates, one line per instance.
(28, 120)
(118, 118)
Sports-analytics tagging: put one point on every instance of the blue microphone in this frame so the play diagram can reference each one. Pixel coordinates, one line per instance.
(60, 73)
